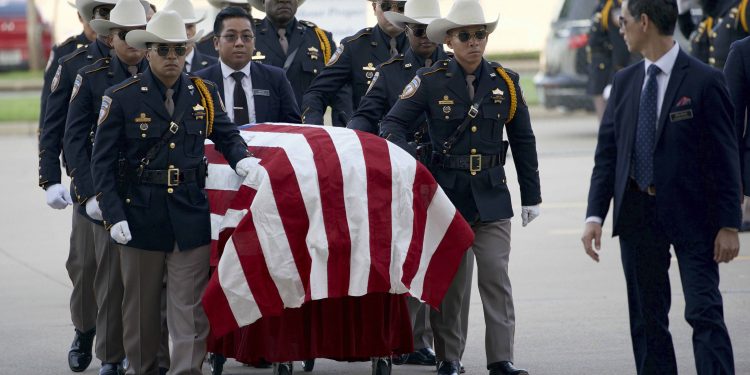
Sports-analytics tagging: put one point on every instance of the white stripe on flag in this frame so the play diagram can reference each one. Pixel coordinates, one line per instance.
(356, 203)
(234, 285)
(404, 169)
(223, 177)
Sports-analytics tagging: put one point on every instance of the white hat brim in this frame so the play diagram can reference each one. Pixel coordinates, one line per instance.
(258, 4)
(103, 27)
(217, 3)
(438, 29)
(140, 38)
(399, 20)
(87, 11)
(189, 21)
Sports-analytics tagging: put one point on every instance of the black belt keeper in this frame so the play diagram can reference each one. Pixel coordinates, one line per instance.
(472, 163)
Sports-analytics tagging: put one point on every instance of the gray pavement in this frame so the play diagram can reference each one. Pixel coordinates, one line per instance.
(571, 313)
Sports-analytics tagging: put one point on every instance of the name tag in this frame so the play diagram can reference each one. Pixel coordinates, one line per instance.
(260, 92)
(681, 115)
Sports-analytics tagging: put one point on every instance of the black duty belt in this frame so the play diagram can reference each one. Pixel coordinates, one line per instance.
(167, 177)
(472, 163)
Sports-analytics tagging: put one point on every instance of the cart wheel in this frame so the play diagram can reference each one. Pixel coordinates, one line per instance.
(308, 365)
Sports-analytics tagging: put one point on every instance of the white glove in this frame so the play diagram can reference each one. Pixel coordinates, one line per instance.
(93, 210)
(607, 90)
(120, 232)
(529, 213)
(58, 197)
(685, 6)
(245, 165)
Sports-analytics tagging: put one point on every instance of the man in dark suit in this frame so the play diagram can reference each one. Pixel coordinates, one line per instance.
(737, 72)
(263, 93)
(667, 155)
(206, 44)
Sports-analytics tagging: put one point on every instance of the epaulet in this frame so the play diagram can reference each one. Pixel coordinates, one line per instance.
(74, 54)
(441, 65)
(359, 34)
(72, 39)
(128, 82)
(399, 57)
(309, 24)
(207, 37)
(98, 65)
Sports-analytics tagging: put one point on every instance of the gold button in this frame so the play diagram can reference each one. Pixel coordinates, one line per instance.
(729, 26)
(127, 201)
(447, 117)
(602, 66)
(172, 145)
(170, 190)
(171, 166)
(473, 151)
(200, 132)
(473, 173)
(711, 48)
(473, 129)
(712, 61)
(143, 135)
(315, 71)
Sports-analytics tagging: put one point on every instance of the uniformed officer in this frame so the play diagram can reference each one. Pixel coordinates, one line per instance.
(606, 50)
(88, 88)
(354, 62)
(68, 46)
(724, 21)
(154, 203)
(206, 44)
(81, 263)
(468, 101)
(299, 47)
(194, 60)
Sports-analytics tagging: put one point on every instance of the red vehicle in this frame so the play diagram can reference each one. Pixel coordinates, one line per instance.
(14, 48)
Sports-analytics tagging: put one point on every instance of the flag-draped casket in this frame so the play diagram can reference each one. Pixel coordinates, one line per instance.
(315, 250)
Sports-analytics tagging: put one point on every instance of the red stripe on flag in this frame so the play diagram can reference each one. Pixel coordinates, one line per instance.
(213, 156)
(217, 308)
(444, 263)
(423, 192)
(379, 200)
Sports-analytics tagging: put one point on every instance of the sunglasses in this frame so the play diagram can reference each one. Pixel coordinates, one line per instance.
(465, 36)
(122, 34)
(390, 5)
(232, 38)
(102, 12)
(164, 49)
(418, 31)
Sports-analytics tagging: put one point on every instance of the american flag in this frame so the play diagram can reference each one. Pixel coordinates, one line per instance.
(327, 213)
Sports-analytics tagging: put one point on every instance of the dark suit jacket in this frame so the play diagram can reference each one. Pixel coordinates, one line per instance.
(272, 93)
(696, 163)
(737, 72)
(202, 61)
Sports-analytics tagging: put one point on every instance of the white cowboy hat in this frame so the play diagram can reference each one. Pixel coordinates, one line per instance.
(217, 3)
(462, 13)
(166, 26)
(258, 4)
(126, 14)
(415, 11)
(86, 7)
(186, 11)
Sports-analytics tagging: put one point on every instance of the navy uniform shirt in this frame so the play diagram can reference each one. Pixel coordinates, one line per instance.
(51, 138)
(310, 48)
(132, 119)
(80, 127)
(606, 50)
(388, 83)
(354, 62)
(722, 24)
(471, 172)
(68, 46)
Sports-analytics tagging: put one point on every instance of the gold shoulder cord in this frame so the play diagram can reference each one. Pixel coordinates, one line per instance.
(325, 45)
(207, 102)
(511, 91)
(743, 16)
(605, 14)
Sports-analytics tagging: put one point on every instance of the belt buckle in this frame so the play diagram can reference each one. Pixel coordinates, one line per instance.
(475, 163)
(173, 177)
(651, 190)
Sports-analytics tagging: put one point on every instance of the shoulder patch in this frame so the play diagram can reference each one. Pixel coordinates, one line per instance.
(76, 87)
(336, 55)
(104, 110)
(56, 79)
(411, 88)
(372, 83)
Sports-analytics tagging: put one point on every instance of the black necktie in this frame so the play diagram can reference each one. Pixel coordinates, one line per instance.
(645, 136)
(241, 116)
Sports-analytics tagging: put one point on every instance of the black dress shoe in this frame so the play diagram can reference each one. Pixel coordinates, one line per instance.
(111, 369)
(308, 365)
(505, 368)
(216, 363)
(449, 368)
(79, 355)
(163, 371)
(423, 357)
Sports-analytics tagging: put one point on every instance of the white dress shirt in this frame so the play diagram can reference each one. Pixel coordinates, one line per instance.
(666, 64)
(189, 60)
(247, 85)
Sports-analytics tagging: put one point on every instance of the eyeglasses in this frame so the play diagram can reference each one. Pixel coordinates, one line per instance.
(232, 38)
(164, 49)
(102, 12)
(418, 31)
(122, 34)
(390, 5)
(464, 36)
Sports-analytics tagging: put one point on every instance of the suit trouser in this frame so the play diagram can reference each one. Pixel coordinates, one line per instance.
(187, 276)
(646, 260)
(491, 248)
(108, 289)
(419, 314)
(81, 266)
